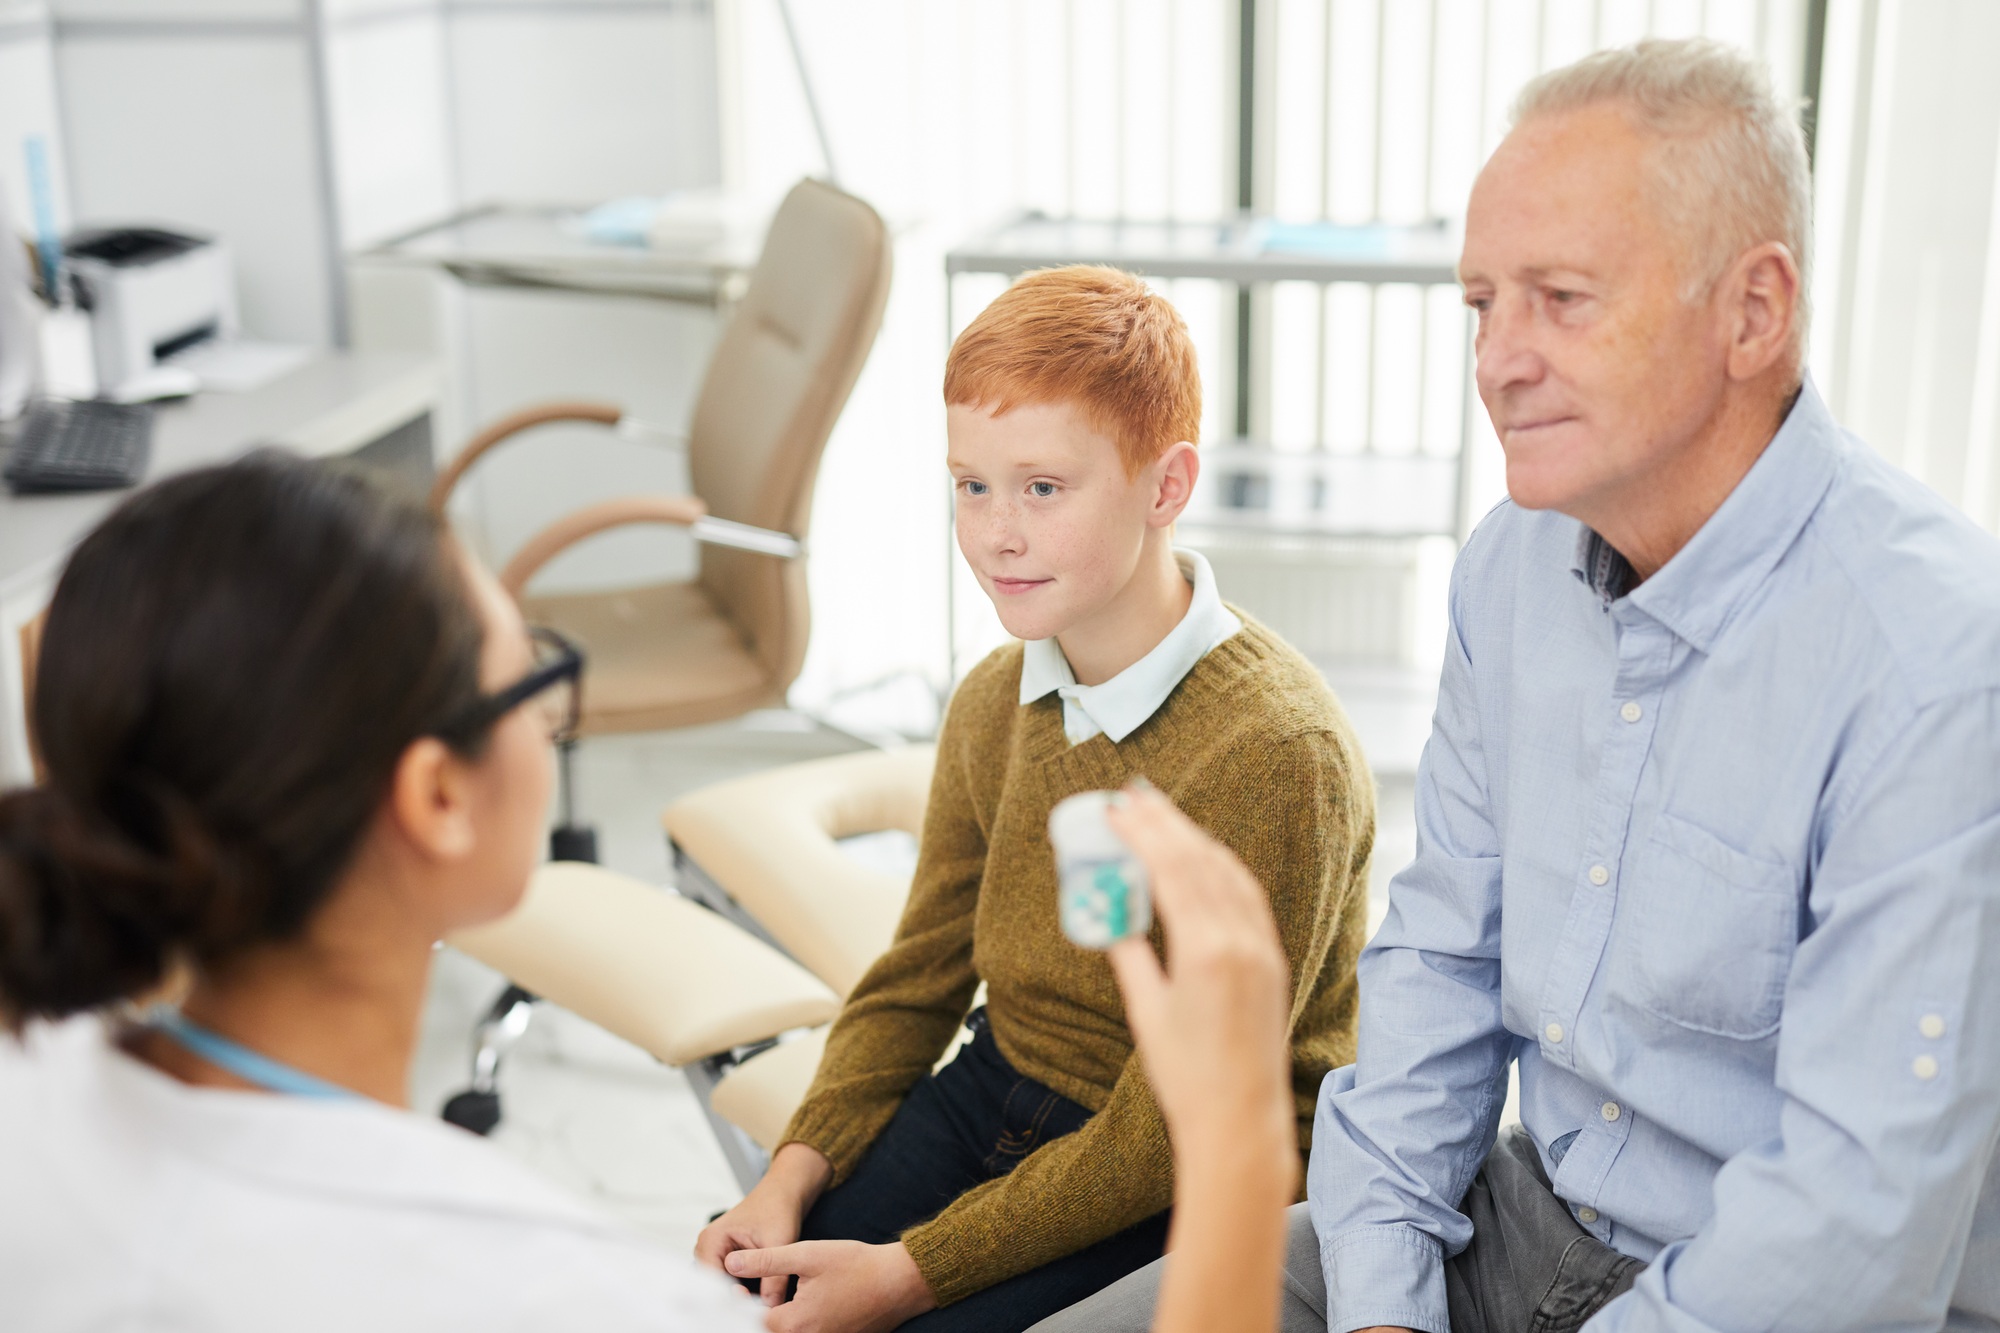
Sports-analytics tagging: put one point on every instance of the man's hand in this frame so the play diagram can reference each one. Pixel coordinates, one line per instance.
(844, 1285)
(770, 1214)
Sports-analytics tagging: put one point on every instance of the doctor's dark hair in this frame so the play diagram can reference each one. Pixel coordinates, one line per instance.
(233, 664)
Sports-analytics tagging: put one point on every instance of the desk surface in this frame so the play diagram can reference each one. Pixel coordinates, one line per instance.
(512, 246)
(332, 404)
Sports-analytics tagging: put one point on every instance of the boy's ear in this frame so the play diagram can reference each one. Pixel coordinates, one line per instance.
(1176, 472)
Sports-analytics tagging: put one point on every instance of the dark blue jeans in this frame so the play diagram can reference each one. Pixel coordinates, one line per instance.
(972, 1122)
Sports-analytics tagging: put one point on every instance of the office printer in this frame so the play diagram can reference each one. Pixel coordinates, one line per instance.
(150, 293)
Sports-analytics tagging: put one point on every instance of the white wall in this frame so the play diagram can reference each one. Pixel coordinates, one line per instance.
(574, 103)
(28, 108)
(306, 129)
(439, 105)
(388, 84)
(204, 114)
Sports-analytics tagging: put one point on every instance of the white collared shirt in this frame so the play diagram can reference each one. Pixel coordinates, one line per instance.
(131, 1200)
(1119, 706)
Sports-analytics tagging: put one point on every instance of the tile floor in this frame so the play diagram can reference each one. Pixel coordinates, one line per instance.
(597, 1114)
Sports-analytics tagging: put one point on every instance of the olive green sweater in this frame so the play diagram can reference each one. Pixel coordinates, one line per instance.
(1253, 747)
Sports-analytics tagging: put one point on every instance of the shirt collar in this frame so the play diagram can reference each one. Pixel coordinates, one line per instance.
(1121, 705)
(1600, 566)
(1695, 593)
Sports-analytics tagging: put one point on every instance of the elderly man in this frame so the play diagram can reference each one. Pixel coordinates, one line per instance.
(1709, 823)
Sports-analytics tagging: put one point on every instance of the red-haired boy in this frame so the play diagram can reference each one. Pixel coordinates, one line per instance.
(1034, 1169)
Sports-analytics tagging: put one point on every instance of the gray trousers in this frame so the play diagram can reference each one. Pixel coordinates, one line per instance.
(1529, 1269)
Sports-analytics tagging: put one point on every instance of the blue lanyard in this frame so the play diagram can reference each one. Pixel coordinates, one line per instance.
(239, 1059)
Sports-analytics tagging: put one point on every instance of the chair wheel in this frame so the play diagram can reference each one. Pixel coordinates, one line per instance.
(475, 1111)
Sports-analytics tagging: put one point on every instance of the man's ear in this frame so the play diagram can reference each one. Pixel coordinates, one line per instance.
(430, 801)
(1763, 293)
(1177, 470)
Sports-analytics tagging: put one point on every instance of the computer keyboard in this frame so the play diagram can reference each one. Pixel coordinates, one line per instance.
(87, 446)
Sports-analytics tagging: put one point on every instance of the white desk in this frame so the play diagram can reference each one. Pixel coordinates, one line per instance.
(337, 403)
(1239, 250)
(517, 246)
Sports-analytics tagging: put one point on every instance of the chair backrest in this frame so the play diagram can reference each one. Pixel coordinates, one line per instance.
(780, 375)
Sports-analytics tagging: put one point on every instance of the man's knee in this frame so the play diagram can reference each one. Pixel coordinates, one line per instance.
(1303, 1309)
(1126, 1306)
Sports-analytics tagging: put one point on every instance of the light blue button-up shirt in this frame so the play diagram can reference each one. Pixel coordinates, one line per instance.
(1717, 860)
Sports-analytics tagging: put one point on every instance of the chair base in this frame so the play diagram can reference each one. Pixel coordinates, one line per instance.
(474, 1112)
(573, 842)
(477, 1108)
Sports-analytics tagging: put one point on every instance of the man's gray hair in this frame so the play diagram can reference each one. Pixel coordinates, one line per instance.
(1732, 157)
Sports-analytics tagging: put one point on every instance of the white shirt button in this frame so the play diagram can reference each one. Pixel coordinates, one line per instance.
(1631, 712)
(1925, 1067)
(1586, 1215)
(1554, 1032)
(1931, 1025)
(1599, 876)
(1610, 1111)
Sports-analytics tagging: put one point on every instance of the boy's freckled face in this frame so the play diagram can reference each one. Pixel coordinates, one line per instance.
(1046, 515)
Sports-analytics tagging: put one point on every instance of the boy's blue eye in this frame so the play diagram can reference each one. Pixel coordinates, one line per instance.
(1043, 489)
(973, 487)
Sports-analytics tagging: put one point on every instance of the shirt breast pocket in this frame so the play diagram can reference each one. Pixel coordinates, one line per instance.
(1713, 932)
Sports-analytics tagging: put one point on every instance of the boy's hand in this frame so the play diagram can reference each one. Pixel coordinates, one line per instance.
(770, 1214)
(845, 1286)
(1211, 1026)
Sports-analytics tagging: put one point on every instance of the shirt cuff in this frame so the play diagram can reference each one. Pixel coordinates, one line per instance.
(1390, 1275)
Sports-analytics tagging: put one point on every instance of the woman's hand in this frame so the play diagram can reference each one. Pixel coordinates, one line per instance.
(770, 1214)
(1211, 1030)
(1211, 1025)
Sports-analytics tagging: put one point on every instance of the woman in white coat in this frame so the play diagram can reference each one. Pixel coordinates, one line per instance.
(292, 737)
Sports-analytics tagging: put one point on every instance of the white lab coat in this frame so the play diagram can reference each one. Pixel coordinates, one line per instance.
(132, 1201)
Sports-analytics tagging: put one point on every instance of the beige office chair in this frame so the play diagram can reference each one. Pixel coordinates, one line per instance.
(686, 984)
(732, 639)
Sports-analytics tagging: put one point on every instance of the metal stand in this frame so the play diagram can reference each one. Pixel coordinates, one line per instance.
(746, 1159)
(478, 1107)
(570, 841)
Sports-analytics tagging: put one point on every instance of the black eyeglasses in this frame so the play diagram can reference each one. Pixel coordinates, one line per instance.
(555, 683)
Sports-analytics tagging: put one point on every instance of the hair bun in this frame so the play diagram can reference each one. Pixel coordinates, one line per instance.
(91, 913)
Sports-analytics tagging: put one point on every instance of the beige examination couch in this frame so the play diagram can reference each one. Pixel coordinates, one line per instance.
(733, 978)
